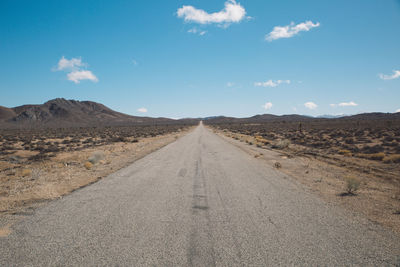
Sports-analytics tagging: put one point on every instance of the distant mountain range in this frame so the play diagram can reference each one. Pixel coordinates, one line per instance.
(60, 112)
(301, 118)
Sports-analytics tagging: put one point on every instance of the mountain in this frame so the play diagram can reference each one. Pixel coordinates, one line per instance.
(257, 119)
(6, 113)
(69, 113)
(375, 116)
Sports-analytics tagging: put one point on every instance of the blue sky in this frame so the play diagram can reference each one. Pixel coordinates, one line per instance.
(192, 58)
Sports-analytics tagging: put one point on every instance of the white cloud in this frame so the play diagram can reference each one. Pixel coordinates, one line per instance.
(196, 31)
(267, 105)
(345, 104)
(230, 84)
(310, 105)
(348, 104)
(290, 30)
(271, 83)
(142, 110)
(80, 75)
(75, 68)
(72, 64)
(233, 12)
(395, 75)
(398, 110)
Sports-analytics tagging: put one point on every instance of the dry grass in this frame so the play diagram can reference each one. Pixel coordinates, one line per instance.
(88, 165)
(26, 172)
(374, 156)
(345, 152)
(392, 158)
(352, 185)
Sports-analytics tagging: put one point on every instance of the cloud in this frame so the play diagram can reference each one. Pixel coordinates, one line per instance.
(80, 75)
(232, 13)
(134, 62)
(72, 64)
(398, 110)
(345, 104)
(290, 30)
(196, 31)
(230, 84)
(271, 83)
(267, 105)
(75, 68)
(395, 75)
(142, 110)
(310, 105)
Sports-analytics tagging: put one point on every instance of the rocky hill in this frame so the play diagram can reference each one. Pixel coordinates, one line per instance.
(69, 113)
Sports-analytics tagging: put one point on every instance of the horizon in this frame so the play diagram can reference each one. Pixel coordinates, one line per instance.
(322, 116)
(190, 59)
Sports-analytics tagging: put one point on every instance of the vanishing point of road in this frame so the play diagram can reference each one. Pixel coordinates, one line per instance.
(199, 201)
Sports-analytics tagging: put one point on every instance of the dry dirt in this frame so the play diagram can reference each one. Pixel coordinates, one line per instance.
(25, 185)
(378, 197)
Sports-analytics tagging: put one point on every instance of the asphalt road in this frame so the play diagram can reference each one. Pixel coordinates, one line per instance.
(199, 201)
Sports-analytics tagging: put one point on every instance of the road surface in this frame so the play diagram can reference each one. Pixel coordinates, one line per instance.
(199, 201)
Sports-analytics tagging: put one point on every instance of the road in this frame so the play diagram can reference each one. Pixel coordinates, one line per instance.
(199, 201)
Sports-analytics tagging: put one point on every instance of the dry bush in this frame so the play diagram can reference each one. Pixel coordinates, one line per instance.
(88, 165)
(96, 157)
(345, 152)
(352, 185)
(277, 165)
(392, 158)
(375, 156)
(281, 144)
(26, 172)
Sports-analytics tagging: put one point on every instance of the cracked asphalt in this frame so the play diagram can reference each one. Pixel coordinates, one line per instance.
(199, 201)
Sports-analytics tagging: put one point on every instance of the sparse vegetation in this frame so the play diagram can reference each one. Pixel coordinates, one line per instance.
(96, 157)
(26, 172)
(352, 185)
(88, 165)
(277, 165)
(372, 140)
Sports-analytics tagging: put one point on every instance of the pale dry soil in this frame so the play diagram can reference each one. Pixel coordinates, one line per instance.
(23, 187)
(378, 197)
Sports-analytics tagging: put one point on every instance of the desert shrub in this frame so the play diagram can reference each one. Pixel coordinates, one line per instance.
(52, 148)
(118, 139)
(277, 165)
(88, 165)
(372, 149)
(392, 158)
(281, 144)
(349, 140)
(39, 157)
(352, 185)
(26, 172)
(375, 156)
(345, 152)
(96, 157)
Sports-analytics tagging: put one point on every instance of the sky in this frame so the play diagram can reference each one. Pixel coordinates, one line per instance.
(198, 58)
